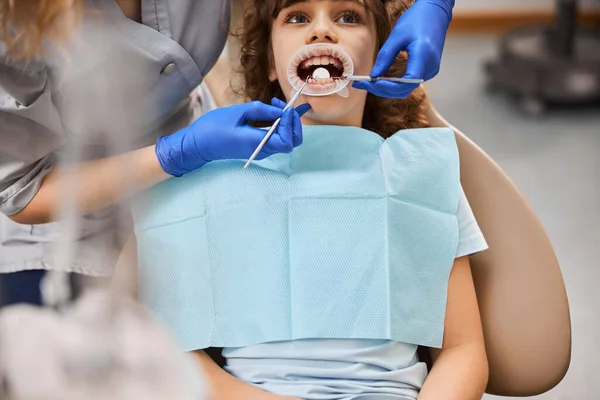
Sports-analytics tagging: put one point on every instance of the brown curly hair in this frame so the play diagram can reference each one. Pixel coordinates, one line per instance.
(383, 116)
(25, 25)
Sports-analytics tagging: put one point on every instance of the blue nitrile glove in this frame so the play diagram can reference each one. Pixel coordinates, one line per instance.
(421, 31)
(297, 125)
(224, 133)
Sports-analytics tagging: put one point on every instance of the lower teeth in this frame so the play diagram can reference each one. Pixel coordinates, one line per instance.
(322, 81)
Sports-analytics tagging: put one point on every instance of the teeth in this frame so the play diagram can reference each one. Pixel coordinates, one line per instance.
(323, 81)
(322, 60)
(314, 57)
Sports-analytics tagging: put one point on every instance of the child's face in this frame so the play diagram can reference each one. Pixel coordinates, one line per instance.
(346, 23)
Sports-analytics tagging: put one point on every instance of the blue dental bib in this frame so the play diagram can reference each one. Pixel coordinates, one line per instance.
(350, 236)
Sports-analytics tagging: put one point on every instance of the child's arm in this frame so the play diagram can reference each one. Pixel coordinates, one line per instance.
(460, 370)
(223, 386)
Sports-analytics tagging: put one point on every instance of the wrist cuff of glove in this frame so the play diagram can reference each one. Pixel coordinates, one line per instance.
(446, 5)
(171, 158)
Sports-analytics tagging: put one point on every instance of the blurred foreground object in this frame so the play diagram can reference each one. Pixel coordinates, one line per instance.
(27, 25)
(549, 65)
(99, 348)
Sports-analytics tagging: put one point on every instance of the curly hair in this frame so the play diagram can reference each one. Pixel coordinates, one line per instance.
(383, 116)
(25, 25)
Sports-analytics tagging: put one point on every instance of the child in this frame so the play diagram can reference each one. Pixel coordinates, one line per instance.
(357, 369)
(361, 368)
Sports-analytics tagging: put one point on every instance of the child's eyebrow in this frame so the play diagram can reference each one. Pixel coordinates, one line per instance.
(289, 3)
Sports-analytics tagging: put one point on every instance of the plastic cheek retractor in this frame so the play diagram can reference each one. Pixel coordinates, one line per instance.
(324, 65)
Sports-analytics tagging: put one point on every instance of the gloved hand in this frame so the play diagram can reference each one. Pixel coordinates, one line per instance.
(421, 31)
(300, 110)
(224, 133)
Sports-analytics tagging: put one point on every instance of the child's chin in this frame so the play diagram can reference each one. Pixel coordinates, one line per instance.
(326, 109)
(324, 118)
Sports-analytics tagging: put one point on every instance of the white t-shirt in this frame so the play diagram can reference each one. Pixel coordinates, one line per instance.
(316, 369)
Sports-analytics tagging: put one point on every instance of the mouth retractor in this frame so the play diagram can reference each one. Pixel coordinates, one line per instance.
(324, 66)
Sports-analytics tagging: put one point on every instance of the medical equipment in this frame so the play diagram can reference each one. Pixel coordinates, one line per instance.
(382, 78)
(98, 348)
(330, 60)
(549, 65)
(421, 30)
(275, 124)
(232, 258)
(197, 144)
(321, 73)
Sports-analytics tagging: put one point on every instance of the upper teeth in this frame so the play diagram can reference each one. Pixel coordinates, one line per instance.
(321, 60)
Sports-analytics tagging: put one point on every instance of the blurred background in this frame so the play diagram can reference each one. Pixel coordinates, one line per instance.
(551, 151)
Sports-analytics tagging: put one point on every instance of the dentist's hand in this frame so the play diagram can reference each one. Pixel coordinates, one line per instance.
(225, 133)
(296, 124)
(421, 31)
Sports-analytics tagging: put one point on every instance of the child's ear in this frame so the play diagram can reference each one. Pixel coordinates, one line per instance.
(272, 71)
(273, 75)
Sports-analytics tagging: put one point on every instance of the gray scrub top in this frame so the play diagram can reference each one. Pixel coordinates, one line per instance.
(117, 85)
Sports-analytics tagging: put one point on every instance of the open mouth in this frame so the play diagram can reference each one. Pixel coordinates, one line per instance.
(321, 68)
(322, 65)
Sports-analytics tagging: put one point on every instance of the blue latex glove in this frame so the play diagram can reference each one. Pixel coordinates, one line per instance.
(224, 133)
(421, 31)
(297, 125)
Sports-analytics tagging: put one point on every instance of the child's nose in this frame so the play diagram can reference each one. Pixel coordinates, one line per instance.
(321, 32)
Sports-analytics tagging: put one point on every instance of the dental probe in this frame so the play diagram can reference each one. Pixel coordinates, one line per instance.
(275, 124)
(382, 78)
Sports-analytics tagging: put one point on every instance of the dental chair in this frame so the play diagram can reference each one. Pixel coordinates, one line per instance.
(520, 290)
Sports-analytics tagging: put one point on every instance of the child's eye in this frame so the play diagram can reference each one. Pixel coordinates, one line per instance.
(296, 18)
(349, 17)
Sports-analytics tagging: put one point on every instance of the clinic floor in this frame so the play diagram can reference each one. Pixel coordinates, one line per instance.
(554, 162)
